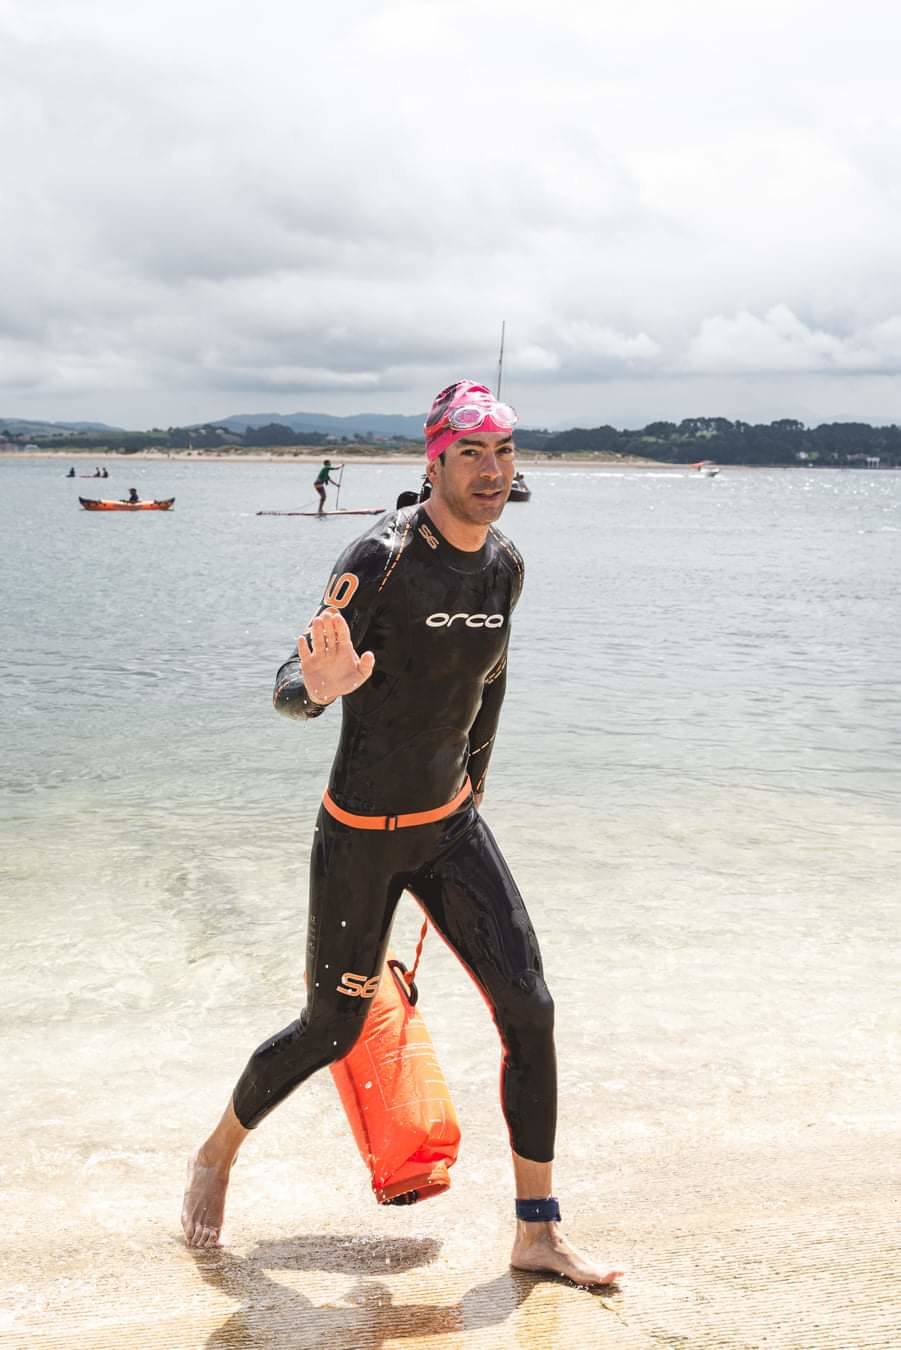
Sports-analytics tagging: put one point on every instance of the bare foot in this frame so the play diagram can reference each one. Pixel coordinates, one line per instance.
(541, 1247)
(203, 1208)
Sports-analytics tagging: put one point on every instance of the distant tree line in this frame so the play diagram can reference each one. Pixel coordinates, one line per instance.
(786, 441)
(207, 437)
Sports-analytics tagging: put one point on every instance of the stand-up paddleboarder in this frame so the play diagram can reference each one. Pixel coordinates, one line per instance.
(413, 633)
(323, 477)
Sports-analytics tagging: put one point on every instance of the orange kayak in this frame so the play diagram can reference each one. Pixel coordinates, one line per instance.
(92, 504)
(396, 1098)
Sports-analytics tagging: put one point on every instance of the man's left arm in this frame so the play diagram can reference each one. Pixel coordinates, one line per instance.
(483, 729)
(482, 732)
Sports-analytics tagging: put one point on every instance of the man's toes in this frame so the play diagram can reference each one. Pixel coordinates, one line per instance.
(608, 1277)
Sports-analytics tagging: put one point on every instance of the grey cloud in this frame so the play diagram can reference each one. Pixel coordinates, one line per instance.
(345, 204)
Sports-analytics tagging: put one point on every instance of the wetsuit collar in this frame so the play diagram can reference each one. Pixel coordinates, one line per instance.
(430, 539)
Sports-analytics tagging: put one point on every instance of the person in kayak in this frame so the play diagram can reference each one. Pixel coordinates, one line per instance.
(132, 496)
(322, 478)
(413, 633)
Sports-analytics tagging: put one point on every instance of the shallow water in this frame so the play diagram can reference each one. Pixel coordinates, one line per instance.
(702, 722)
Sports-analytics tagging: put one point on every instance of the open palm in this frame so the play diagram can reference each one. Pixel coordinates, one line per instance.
(328, 661)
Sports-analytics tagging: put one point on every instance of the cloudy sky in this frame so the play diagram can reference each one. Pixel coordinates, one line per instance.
(678, 209)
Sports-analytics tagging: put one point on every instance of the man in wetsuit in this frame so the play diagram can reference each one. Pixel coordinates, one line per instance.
(323, 477)
(413, 632)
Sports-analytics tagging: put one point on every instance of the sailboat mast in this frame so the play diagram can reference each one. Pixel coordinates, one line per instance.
(500, 361)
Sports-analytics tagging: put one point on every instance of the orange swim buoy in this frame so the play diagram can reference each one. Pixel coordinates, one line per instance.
(396, 1098)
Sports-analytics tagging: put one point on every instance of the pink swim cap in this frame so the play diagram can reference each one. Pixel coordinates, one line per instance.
(462, 409)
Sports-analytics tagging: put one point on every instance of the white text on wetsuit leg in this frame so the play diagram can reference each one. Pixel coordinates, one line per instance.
(358, 986)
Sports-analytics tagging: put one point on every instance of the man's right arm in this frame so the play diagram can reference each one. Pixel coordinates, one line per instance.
(352, 591)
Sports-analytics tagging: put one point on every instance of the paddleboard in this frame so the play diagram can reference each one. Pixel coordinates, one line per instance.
(370, 511)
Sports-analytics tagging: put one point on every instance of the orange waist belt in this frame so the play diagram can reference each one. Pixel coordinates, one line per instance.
(396, 822)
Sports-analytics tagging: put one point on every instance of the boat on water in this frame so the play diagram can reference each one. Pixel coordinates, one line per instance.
(93, 504)
(519, 489)
(706, 468)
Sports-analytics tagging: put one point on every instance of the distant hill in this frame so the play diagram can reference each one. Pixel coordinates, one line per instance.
(380, 424)
(18, 426)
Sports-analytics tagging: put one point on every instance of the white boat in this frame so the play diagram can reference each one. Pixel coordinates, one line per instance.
(706, 468)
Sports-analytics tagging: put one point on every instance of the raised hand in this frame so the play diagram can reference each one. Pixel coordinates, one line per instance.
(328, 661)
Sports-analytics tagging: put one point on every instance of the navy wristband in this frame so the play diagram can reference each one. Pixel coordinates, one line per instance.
(539, 1211)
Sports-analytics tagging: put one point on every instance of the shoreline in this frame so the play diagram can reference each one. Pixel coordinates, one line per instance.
(534, 458)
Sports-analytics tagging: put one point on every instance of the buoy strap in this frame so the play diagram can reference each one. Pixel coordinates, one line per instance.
(410, 976)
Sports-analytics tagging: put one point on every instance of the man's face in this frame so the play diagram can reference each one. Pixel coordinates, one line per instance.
(474, 480)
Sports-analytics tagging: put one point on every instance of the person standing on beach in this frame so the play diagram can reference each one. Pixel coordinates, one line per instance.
(412, 633)
(322, 478)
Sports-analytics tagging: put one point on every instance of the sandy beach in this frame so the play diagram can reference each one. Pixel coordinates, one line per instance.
(756, 1237)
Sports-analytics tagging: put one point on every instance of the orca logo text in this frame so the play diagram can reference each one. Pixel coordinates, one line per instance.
(470, 620)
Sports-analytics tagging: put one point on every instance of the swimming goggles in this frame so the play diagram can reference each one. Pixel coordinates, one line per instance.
(470, 416)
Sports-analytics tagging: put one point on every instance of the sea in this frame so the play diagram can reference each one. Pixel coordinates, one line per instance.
(696, 783)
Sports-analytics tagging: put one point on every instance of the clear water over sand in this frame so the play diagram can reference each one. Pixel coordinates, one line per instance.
(696, 783)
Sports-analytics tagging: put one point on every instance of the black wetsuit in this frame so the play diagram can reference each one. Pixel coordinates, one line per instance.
(437, 620)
